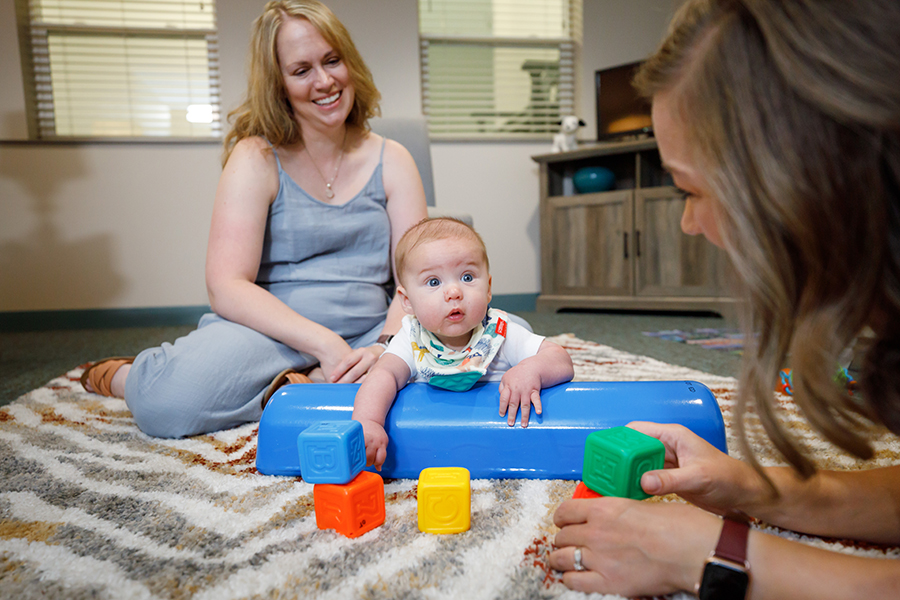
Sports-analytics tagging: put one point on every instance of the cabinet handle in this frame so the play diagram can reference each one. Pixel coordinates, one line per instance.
(637, 243)
(625, 236)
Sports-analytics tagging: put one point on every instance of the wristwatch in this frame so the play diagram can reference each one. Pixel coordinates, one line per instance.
(726, 574)
(384, 340)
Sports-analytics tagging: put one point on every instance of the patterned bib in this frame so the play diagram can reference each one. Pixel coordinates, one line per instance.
(458, 370)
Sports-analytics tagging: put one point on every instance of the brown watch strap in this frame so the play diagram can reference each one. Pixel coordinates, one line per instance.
(384, 339)
(733, 541)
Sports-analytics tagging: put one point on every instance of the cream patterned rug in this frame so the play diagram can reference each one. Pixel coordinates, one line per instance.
(92, 508)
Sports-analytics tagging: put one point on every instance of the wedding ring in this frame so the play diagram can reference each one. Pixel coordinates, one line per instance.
(578, 565)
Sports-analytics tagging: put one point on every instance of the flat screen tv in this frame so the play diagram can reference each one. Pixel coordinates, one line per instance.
(620, 111)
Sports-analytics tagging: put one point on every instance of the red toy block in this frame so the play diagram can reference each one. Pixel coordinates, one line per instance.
(352, 508)
(583, 491)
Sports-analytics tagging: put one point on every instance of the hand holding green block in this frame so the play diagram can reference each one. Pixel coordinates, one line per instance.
(615, 459)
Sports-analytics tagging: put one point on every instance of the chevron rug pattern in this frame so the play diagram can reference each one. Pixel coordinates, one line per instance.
(92, 508)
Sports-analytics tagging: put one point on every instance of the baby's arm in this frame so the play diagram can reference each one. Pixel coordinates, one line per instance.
(373, 401)
(522, 384)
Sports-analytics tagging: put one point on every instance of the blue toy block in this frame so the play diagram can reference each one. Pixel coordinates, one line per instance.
(431, 427)
(331, 452)
(615, 459)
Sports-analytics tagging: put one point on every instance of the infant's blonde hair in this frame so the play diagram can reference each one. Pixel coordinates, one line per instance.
(432, 229)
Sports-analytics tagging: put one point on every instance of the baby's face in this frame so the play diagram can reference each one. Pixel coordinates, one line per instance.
(446, 285)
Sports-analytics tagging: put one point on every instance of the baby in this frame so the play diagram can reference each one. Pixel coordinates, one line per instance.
(450, 337)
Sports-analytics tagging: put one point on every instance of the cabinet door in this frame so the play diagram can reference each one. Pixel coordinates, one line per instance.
(667, 261)
(589, 241)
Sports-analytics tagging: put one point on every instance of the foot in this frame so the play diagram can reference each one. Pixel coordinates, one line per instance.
(107, 377)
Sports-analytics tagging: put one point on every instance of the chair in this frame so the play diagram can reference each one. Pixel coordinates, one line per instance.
(412, 133)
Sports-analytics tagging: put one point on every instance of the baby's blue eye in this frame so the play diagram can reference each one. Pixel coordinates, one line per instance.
(468, 278)
(433, 282)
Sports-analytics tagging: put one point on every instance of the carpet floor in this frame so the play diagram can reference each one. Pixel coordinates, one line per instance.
(90, 507)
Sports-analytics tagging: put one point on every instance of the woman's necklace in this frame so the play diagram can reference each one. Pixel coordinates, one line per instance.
(328, 183)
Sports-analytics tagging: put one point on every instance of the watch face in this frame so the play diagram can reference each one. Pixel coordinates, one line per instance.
(723, 582)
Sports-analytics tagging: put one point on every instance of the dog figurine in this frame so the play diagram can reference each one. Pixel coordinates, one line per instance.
(565, 139)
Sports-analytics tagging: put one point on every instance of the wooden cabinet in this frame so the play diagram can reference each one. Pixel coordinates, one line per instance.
(623, 248)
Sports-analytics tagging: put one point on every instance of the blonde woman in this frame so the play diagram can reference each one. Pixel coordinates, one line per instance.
(308, 210)
(780, 120)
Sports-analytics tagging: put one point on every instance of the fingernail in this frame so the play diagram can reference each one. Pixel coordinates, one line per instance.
(650, 483)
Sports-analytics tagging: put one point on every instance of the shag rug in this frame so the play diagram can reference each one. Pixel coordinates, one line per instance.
(90, 507)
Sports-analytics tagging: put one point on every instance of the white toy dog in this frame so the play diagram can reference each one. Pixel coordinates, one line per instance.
(565, 139)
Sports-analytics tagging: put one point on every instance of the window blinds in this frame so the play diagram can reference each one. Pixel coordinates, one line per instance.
(123, 68)
(498, 68)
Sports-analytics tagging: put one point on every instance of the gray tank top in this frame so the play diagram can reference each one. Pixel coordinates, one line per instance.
(330, 263)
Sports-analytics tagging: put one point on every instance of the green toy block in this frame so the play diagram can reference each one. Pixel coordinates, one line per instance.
(615, 459)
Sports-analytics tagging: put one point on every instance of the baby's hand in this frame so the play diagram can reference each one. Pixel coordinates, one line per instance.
(376, 443)
(520, 387)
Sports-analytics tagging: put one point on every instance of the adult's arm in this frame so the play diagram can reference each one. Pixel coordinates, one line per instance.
(247, 187)
(637, 548)
(862, 505)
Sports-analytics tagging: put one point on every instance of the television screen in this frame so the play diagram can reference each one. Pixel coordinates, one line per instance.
(620, 111)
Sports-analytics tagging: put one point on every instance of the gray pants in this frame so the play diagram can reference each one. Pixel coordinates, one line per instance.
(211, 379)
(214, 378)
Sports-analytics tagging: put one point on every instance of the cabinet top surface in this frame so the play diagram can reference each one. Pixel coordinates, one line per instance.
(596, 149)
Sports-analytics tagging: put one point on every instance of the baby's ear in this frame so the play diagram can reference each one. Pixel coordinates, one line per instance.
(404, 301)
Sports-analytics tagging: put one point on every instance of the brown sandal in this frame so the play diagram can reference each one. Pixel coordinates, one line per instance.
(284, 378)
(100, 374)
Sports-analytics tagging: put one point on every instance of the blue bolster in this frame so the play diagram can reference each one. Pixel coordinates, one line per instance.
(431, 427)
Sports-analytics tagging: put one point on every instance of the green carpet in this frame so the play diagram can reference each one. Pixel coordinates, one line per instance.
(30, 359)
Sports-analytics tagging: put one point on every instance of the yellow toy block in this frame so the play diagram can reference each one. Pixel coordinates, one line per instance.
(444, 500)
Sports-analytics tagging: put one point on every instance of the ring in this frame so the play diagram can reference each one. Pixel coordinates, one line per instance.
(578, 565)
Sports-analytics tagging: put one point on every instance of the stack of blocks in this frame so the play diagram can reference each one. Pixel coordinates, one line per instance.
(615, 459)
(351, 501)
(347, 499)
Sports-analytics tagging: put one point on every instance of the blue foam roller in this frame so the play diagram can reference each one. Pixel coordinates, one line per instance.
(431, 427)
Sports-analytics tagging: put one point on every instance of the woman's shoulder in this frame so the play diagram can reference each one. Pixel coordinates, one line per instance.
(394, 155)
(253, 147)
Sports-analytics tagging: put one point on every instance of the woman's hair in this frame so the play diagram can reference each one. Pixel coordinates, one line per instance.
(792, 114)
(432, 229)
(266, 111)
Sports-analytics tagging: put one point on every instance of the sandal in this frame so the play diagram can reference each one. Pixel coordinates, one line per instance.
(100, 374)
(284, 378)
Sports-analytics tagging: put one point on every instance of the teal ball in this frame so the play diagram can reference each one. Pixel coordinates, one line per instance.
(594, 179)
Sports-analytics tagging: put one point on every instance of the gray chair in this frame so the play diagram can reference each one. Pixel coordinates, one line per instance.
(412, 133)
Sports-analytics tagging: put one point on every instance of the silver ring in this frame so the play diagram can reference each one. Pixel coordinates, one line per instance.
(578, 565)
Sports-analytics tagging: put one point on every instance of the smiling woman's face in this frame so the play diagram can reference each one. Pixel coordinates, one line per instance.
(315, 76)
(700, 208)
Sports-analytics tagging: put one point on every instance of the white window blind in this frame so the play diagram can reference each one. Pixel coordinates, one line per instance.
(498, 68)
(121, 68)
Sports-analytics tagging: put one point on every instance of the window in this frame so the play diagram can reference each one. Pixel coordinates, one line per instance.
(120, 68)
(498, 68)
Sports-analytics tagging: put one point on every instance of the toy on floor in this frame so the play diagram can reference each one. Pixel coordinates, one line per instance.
(331, 451)
(444, 500)
(842, 376)
(430, 427)
(332, 455)
(615, 459)
(351, 508)
(583, 491)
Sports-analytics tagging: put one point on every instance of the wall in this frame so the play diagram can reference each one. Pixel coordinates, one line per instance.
(125, 225)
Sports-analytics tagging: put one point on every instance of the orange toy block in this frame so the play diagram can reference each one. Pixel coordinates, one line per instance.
(352, 508)
(583, 491)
